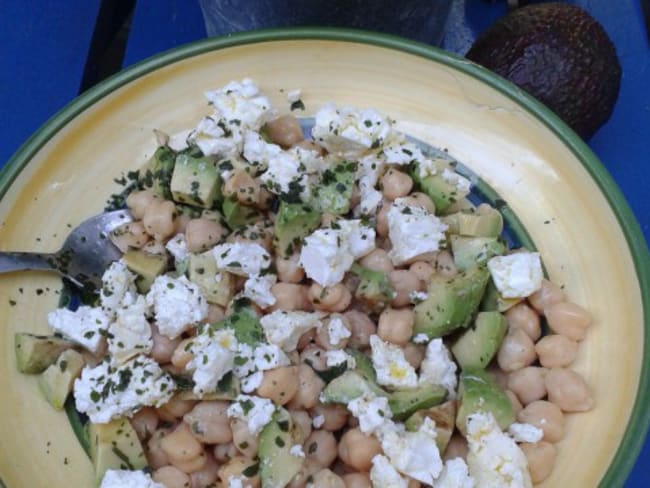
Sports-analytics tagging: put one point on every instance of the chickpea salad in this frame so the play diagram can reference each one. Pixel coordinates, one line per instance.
(317, 307)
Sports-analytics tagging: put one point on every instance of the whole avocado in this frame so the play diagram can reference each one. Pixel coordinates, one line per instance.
(559, 54)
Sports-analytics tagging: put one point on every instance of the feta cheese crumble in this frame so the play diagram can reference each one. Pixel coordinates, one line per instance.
(258, 289)
(213, 356)
(254, 410)
(420, 338)
(417, 297)
(215, 136)
(122, 478)
(494, 459)
(85, 326)
(242, 104)
(130, 334)
(438, 368)
(177, 247)
(384, 475)
(336, 357)
(296, 450)
(336, 330)
(118, 287)
(413, 231)
(318, 421)
(517, 275)
(284, 328)
(106, 392)
(525, 433)
(455, 474)
(242, 258)
(371, 411)
(391, 366)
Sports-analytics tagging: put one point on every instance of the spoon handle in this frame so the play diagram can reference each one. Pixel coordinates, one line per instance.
(19, 261)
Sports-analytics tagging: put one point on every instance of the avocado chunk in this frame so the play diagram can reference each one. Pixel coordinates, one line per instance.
(348, 386)
(238, 215)
(374, 289)
(443, 193)
(476, 347)
(451, 302)
(293, 222)
(195, 181)
(228, 388)
(217, 286)
(114, 445)
(57, 380)
(364, 364)
(470, 251)
(404, 403)
(157, 174)
(334, 193)
(559, 54)
(444, 415)
(485, 221)
(34, 353)
(246, 325)
(277, 465)
(477, 392)
(146, 266)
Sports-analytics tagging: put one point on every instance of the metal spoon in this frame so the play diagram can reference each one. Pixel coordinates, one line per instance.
(85, 255)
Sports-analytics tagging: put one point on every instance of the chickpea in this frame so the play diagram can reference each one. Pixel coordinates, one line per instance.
(302, 421)
(457, 447)
(290, 296)
(156, 248)
(404, 283)
(215, 313)
(311, 146)
(517, 351)
(357, 449)
(156, 457)
(516, 404)
(203, 234)
(549, 294)
(209, 423)
(145, 422)
(499, 376)
(335, 415)
(541, 459)
(556, 351)
(160, 219)
(182, 354)
(284, 131)
(356, 480)
(355, 196)
(175, 408)
(244, 441)
(361, 326)
(523, 317)
(289, 269)
(243, 187)
(568, 390)
(377, 260)
(305, 475)
(320, 447)
(181, 223)
(335, 298)
(139, 201)
(315, 357)
(309, 388)
(528, 384)
(414, 354)
(183, 449)
(305, 340)
(327, 479)
(329, 331)
(395, 184)
(207, 475)
(422, 270)
(171, 477)
(223, 452)
(568, 319)
(382, 218)
(396, 326)
(236, 467)
(163, 347)
(419, 199)
(546, 416)
(279, 384)
(445, 265)
(129, 236)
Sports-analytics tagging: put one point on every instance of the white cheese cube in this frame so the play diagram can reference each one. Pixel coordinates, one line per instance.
(293, 95)
(360, 238)
(242, 258)
(85, 326)
(215, 136)
(455, 474)
(438, 368)
(336, 330)
(525, 433)
(296, 450)
(391, 366)
(213, 356)
(284, 328)
(325, 256)
(384, 475)
(371, 411)
(254, 410)
(118, 287)
(269, 356)
(130, 334)
(177, 247)
(122, 478)
(252, 382)
(258, 289)
(241, 104)
(401, 153)
(462, 184)
(517, 275)
(336, 357)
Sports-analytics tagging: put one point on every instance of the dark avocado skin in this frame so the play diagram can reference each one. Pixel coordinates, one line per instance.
(559, 54)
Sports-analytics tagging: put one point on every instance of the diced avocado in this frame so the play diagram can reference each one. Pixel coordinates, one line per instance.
(476, 347)
(196, 181)
(188, 210)
(157, 174)
(489, 303)
(277, 465)
(404, 403)
(238, 215)
(246, 325)
(442, 192)
(451, 302)
(58, 379)
(364, 364)
(478, 393)
(451, 221)
(374, 289)
(146, 266)
(114, 445)
(34, 353)
(444, 415)
(470, 251)
(334, 193)
(330, 372)
(484, 222)
(202, 270)
(293, 222)
(348, 386)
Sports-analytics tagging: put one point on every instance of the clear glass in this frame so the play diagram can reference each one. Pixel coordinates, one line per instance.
(422, 20)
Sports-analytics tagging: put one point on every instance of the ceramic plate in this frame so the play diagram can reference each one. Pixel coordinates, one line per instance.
(572, 210)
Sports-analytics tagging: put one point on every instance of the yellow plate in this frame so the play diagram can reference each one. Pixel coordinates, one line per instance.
(569, 205)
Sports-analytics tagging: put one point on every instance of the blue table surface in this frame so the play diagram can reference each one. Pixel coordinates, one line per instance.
(43, 50)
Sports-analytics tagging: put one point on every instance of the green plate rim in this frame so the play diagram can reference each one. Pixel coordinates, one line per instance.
(632, 441)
